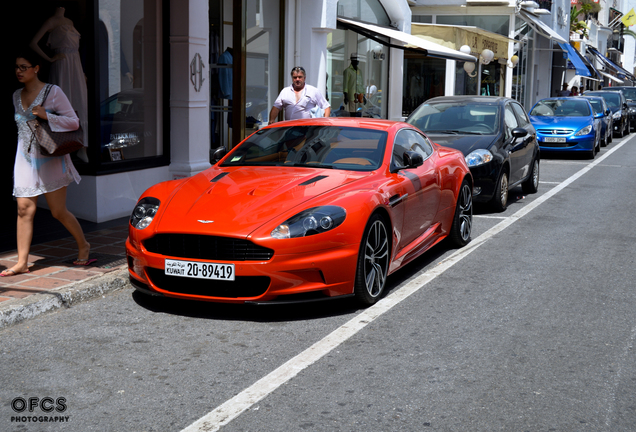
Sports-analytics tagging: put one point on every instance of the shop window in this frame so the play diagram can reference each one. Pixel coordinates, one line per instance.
(424, 79)
(367, 80)
(130, 81)
(370, 11)
(495, 23)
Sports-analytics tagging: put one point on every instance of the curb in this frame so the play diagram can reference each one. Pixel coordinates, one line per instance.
(16, 311)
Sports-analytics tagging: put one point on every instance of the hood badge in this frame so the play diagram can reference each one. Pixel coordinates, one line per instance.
(204, 221)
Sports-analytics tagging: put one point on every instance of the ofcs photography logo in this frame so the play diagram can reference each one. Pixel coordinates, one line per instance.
(50, 408)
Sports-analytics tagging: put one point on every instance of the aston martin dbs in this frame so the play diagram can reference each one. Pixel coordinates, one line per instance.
(299, 211)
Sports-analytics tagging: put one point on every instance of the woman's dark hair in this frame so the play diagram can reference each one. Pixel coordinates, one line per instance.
(29, 55)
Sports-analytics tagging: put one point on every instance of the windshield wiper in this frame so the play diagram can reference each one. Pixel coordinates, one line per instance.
(311, 165)
(455, 132)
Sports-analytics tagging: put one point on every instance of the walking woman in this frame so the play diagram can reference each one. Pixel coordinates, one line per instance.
(34, 174)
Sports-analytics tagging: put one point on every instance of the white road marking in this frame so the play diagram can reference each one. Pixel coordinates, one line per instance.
(240, 403)
(547, 182)
(489, 217)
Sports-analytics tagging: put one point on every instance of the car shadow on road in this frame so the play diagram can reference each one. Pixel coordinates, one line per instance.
(285, 312)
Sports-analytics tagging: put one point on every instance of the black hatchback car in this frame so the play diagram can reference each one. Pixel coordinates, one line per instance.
(497, 139)
(630, 96)
(617, 102)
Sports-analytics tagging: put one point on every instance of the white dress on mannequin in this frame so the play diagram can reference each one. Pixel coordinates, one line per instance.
(67, 73)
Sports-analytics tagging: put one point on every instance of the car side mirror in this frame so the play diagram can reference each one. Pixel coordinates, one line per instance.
(217, 154)
(412, 159)
(519, 132)
(608, 111)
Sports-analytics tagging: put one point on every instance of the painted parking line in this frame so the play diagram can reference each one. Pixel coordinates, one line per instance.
(240, 403)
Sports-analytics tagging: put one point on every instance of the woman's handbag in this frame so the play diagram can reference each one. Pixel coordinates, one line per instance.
(54, 143)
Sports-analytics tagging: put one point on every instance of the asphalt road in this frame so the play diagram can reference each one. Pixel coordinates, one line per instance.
(529, 328)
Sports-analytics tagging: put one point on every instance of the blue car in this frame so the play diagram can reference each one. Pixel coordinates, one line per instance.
(566, 124)
(602, 112)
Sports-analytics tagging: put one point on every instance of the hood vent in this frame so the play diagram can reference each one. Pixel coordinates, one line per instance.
(313, 180)
(219, 177)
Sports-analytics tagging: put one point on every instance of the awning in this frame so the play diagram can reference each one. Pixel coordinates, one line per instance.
(455, 37)
(590, 66)
(541, 27)
(612, 77)
(580, 67)
(607, 62)
(413, 42)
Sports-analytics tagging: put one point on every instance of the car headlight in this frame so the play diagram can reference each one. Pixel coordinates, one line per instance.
(616, 115)
(632, 110)
(312, 221)
(585, 131)
(478, 157)
(144, 212)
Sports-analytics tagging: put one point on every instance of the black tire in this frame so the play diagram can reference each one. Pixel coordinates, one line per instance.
(628, 128)
(531, 185)
(463, 220)
(499, 200)
(373, 261)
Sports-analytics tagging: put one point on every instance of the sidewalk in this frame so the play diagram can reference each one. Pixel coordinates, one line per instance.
(54, 281)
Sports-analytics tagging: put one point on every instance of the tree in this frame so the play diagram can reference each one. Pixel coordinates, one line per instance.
(576, 25)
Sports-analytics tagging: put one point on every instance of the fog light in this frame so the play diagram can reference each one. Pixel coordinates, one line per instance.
(476, 190)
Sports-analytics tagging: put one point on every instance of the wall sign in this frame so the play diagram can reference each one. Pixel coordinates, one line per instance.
(196, 72)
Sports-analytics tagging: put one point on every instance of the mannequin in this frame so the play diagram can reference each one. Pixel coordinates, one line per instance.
(66, 66)
(353, 87)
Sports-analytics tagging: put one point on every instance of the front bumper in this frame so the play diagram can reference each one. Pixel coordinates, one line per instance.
(572, 143)
(326, 272)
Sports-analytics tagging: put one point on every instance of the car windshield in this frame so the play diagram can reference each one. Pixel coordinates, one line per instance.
(561, 108)
(611, 99)
(335, 147)
(461, 118)
(597, 106)
(630, 93)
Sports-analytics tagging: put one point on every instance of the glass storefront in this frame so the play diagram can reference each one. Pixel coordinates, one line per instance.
(261, 85)
(366, 78)
(371, 74)
(424, 78)
(483, 80)
(130, 83)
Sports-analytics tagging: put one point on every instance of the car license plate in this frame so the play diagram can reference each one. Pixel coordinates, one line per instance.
(200, 270)
(555, 140)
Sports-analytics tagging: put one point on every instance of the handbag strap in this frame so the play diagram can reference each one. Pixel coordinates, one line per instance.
(46, 94)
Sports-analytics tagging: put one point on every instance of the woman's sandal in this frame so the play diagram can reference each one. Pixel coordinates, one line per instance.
(84, 262)
(11, 272)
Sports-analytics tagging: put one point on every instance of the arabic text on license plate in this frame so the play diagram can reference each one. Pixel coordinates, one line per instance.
(200, 270)
(557, 140)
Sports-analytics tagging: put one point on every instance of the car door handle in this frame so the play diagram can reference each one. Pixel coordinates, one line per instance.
(396, 199)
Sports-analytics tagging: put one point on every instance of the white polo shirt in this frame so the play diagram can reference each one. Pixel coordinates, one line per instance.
(309, 99)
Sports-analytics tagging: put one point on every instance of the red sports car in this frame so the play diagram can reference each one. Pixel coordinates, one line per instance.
(301, 210)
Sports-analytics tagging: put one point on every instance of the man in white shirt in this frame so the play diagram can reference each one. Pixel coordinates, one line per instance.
(299, 99)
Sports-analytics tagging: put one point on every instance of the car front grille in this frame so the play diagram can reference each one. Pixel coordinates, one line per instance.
(555, 131)
(204, 247)
(243, 286)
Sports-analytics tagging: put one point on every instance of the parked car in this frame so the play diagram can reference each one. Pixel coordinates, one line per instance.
(604, 114)
(496, 137)
(302, 209)
(630, 97)
(618, 104)
(566, 124)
